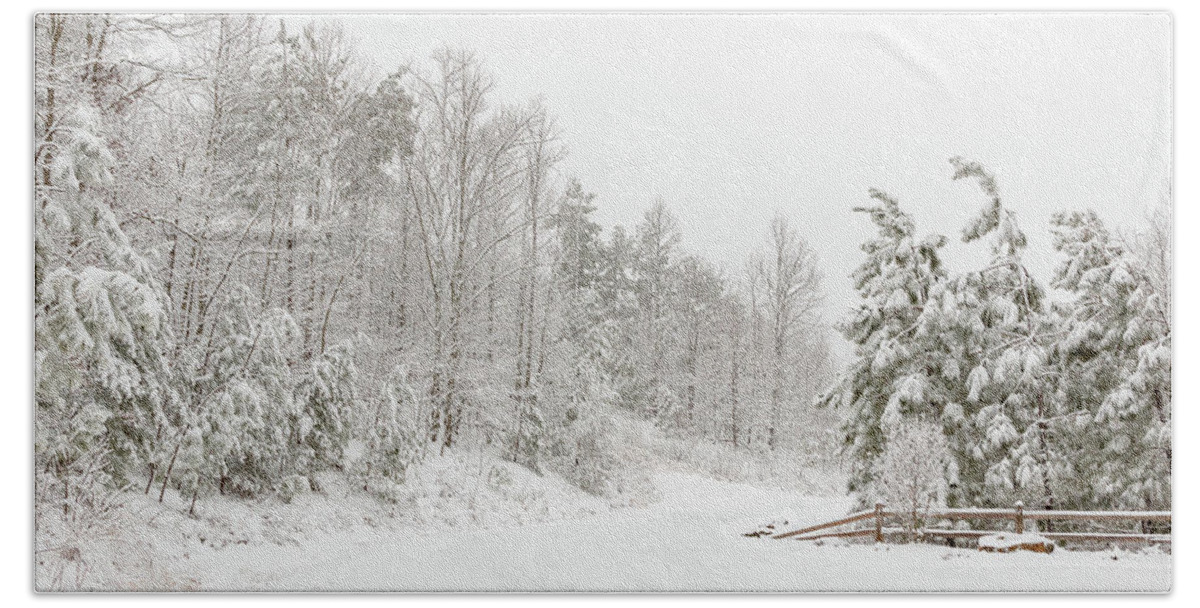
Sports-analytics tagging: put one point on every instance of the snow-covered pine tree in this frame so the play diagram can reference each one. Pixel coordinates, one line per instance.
(1006, 331)
(580, 385)
(618, 298)
(887, 380)
(1117, 350)
(102, 381)
(654, 266)
(587, 325)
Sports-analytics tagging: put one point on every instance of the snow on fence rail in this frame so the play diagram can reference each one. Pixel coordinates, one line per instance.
(1018, 515)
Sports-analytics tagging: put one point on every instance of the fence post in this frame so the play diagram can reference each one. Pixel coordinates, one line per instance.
(1020, 517)
(878, 522)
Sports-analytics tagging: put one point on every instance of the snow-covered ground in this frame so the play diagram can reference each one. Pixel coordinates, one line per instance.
(690, 540)
(473, 522)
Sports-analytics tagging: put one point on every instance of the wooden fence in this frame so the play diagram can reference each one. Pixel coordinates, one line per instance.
(880, 516)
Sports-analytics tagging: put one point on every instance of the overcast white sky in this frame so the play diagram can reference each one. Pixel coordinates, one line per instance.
(730, 117)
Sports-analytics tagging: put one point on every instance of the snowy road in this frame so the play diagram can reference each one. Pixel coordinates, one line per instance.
(690, 540)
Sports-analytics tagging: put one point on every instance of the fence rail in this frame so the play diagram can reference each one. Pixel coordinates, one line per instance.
(1018, 515)
(861, 515)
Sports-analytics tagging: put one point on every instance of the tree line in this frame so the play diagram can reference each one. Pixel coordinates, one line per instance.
(256, 260)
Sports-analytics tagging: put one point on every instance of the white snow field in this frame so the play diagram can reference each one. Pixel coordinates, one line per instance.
(473, 522)
(690, 540)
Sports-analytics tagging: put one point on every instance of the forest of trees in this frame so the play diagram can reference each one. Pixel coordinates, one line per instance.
(1059, 402)
(252, 253)
(256, 261)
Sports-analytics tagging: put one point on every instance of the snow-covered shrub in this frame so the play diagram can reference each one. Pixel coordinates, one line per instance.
(292, 486)
(912, 470)
(72, 506)
(393, 437)
(243, 403)
(599, 450)
(325, 399)
(588, 458)
(668, 412)
(499, 478)
(101, 378)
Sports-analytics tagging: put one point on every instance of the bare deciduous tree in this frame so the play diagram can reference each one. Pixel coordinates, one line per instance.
(791, 283)
(466, 167)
